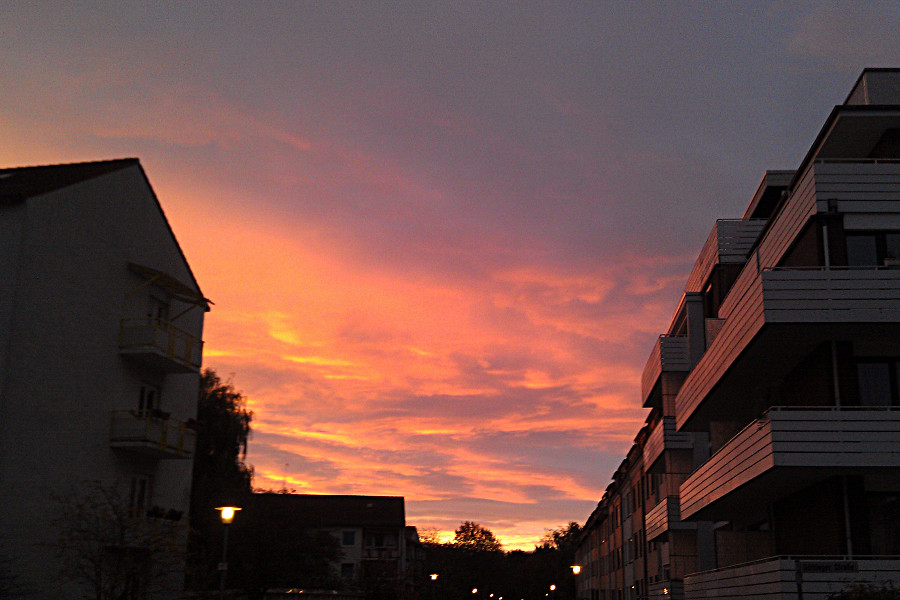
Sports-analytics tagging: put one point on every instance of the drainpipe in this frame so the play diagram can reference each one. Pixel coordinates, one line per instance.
(847, 517)
(834, 374)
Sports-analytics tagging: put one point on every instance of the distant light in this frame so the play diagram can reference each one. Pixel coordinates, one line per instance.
(434, 576)
(552, 587)
(474, 590)
(576, 569)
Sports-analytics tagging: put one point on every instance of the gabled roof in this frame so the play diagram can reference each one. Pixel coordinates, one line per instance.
(19, 183)
(338, 511)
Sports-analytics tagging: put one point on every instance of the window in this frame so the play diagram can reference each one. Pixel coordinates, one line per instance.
(873, 248)
(149, 397)
(884, 517)
(347, 569)
(139, 495)
(348, 538)
(878, 385)
(157, 308)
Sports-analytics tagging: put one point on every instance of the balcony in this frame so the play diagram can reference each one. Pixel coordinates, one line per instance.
(785, 451)
(375, 553)
(729, 242)
(776, 316)
(152, 434)
(782, 577)
(665, 437)
(161, 345)
(664, 517)
(670, 353)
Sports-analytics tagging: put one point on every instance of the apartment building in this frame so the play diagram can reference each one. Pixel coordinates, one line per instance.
(378, 550)
(100, 348)
(769, 464)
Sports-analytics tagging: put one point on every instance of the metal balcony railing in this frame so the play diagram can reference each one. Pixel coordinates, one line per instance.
(161, 343)
(151, 433)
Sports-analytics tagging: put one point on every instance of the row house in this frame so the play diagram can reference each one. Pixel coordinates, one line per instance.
(770, 459)
(101, 321)
(377, 547)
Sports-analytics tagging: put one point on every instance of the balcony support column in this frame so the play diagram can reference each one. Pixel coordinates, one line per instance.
(696, 326)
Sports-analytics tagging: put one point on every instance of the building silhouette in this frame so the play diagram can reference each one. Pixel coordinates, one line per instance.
(769, 464)
(378, 551)
(100, 348)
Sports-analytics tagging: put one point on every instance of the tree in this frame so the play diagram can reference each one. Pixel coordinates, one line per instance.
(565, 539)
(430, 536)
(221, 477)
(472, 536)
(110, 550)
(555, 555)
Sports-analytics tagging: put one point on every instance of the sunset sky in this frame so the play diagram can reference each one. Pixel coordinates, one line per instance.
(440, 237)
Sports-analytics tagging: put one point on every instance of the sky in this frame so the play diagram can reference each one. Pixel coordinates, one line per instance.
(441, 238)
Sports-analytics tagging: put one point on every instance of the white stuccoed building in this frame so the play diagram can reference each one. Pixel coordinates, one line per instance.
(101, 322)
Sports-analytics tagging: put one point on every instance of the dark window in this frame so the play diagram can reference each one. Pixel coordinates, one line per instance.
(139, 496)
(149, 398)
(157, 308)
(878, 382)
(347, 568)
(348, 539)
(873, 248)
(884, 523)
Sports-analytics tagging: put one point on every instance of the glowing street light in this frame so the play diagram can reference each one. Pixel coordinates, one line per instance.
(433, 576)
(576, 569)
(226, 513)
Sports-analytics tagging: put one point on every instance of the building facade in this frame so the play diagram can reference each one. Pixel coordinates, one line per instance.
(378, 550)
(100, 346)
(769, 464)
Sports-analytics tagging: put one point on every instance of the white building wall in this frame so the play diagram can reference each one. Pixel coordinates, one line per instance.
(62, 372)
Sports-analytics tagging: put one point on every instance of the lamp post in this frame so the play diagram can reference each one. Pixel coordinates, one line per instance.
(226, 513)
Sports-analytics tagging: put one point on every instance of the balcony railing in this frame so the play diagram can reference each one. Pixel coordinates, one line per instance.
(380, 553)
(161, 344)
(815, 295)
(151, 433)
(790, 439)
(787, 577)
(665, 516)
(670, 353)
(665, 437)
(831, 295)
(729, 242)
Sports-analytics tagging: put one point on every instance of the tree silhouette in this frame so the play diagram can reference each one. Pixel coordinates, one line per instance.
(472, 536)
(112, 551)
(221, 477)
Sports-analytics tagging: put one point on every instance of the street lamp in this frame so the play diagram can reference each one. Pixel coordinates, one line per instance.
(576, 569)
(226, 513)
(433, 576)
